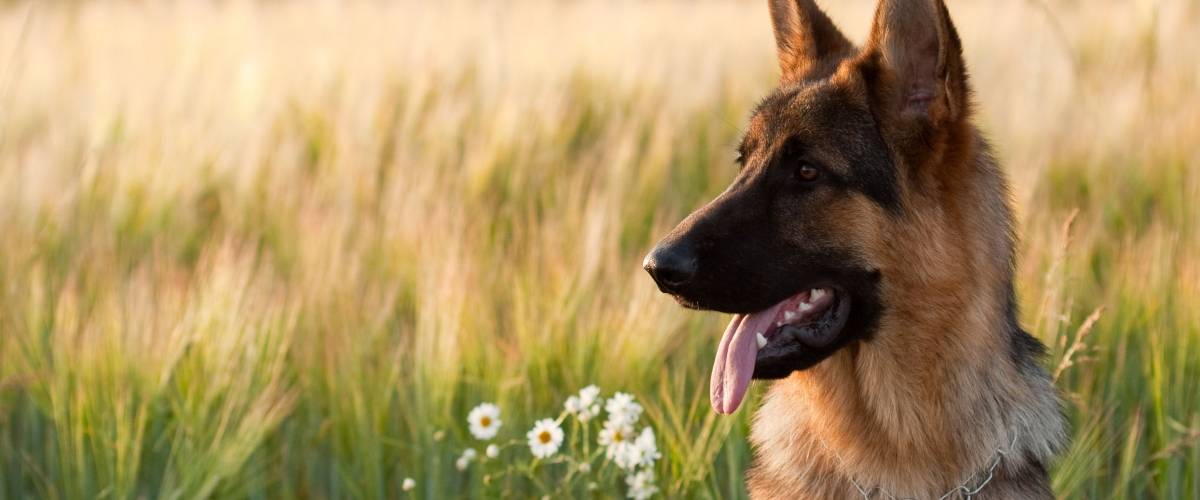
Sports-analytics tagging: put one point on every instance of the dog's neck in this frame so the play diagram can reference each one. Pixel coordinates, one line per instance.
(917, 411)
(946, 380)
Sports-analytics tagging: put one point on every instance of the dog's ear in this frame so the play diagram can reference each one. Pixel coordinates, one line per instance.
(806, 39)
(918, 60)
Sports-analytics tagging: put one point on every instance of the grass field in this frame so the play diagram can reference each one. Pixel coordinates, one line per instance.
(280, 250)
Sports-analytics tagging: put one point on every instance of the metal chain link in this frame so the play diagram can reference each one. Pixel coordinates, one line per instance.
(963, 489)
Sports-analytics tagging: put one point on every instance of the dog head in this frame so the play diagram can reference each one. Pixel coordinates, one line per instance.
(832, 165)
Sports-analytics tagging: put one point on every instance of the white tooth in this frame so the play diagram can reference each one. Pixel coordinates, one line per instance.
(762, 340)
(789, 315)
(805, 307)
(816, 294)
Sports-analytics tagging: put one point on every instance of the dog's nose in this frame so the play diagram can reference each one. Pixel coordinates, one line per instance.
(671, 266)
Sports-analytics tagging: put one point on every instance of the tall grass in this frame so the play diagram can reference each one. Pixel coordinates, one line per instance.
(280, 250)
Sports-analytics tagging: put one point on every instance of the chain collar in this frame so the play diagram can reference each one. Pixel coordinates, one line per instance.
(965, 489)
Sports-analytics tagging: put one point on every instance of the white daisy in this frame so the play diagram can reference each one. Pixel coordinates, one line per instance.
(468, 455)
(586, 404)
(492, 451)
(622, 408)
(647, 448)
(614, 435)
(484, 421)
(573, 405)
(587, 413)
(589, 396)
(545, 438)
(626, 455)
(629, 451)
(641, 484)
(409, 484)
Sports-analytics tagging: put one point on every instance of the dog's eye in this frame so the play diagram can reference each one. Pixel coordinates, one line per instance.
(807, 173)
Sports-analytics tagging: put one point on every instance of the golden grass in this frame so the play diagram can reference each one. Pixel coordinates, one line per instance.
(271, 249)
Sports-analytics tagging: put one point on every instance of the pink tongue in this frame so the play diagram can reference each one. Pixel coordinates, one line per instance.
(735, 359)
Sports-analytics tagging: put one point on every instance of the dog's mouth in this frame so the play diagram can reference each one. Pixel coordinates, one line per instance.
(754, 343)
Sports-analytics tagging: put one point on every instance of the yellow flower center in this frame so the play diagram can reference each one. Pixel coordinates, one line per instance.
(486, 421)
(618, 437)
(544, 437)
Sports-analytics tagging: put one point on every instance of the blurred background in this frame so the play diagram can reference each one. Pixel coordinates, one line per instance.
(279, 249)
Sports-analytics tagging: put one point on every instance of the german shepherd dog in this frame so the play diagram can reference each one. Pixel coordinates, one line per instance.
(865, 249)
